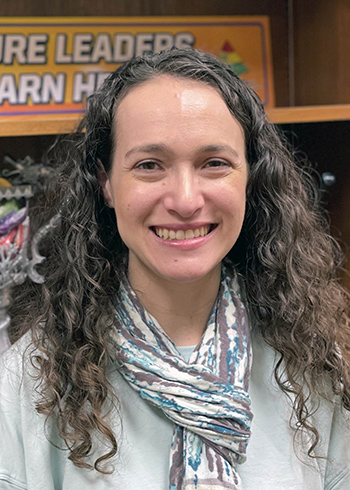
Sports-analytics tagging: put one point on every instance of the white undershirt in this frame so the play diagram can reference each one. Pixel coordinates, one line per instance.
(186, 351)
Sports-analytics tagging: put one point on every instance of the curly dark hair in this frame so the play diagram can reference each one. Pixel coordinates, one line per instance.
(288, 262)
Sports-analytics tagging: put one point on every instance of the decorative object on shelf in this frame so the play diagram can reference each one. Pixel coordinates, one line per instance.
(28, 178)
(327, 180)
(28, 172)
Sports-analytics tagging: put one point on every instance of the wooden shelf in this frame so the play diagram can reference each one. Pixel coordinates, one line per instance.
(36, 125)
(278, 115)
(306, 114)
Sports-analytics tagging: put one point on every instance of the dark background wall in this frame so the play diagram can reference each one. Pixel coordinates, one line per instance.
(310, 48)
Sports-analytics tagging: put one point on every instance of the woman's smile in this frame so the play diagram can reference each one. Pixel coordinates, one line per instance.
(182, 232)
(184, 239)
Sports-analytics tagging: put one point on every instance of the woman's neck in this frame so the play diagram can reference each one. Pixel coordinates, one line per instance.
(182, 309)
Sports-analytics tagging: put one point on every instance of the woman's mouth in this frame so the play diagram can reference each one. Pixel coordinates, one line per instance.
(189, 234)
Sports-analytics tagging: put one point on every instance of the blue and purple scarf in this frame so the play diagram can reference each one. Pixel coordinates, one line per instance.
(206, 398)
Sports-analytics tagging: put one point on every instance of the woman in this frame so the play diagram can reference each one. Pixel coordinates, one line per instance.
(189, 286)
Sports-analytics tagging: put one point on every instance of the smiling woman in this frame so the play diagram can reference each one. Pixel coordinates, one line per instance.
(179, 167)
(191, 319)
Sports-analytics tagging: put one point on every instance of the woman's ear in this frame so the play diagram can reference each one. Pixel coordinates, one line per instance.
(105, 185)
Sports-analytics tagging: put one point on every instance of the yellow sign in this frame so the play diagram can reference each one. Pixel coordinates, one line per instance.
(50, 65)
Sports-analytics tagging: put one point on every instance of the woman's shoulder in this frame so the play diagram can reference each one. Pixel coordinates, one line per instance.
(15, 364)
(265, 359)
(272, 434)
(326, 407)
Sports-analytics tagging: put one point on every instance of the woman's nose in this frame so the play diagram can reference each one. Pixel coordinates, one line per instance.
(184, 195)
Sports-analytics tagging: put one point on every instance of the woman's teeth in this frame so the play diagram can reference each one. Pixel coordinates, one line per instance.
(181, 234)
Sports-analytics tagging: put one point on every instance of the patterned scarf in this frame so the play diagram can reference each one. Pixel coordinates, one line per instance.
(206, 398)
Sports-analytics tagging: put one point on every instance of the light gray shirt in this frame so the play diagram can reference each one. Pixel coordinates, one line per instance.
(29, 461)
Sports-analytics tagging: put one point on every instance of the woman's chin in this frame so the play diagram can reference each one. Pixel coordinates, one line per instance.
(184, 274)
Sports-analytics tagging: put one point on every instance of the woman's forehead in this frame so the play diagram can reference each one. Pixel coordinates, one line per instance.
(166, 97)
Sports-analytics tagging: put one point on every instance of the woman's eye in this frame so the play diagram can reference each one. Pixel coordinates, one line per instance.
(217, 163)
(147, 165)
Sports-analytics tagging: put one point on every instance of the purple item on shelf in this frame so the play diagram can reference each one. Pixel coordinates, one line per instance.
(12, 220)
(7, 216)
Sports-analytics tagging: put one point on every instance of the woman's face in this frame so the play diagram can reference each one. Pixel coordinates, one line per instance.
(178, 179)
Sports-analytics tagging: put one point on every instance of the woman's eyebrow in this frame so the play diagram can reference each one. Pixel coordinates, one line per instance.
(151, 148)
(218, 148)
(161, 147)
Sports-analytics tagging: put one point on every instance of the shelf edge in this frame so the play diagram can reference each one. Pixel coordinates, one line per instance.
(37, 126)
(277, 115)
(306, 114)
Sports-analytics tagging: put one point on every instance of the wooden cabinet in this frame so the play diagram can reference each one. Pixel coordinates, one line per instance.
(310, 47)
(325, 145)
